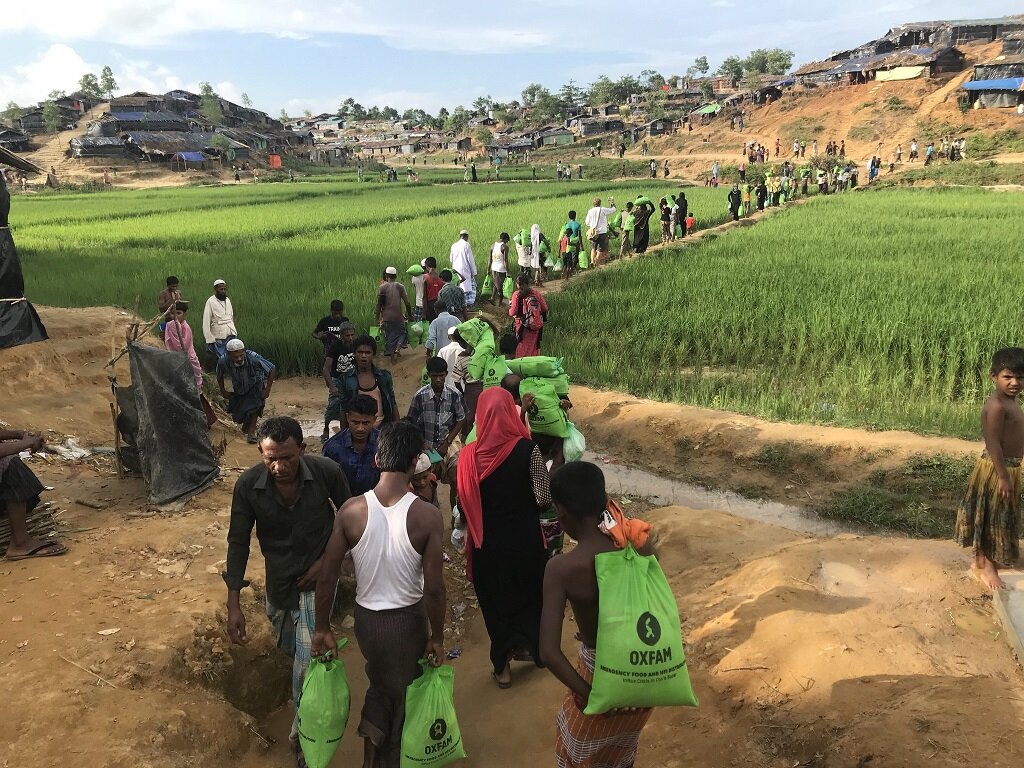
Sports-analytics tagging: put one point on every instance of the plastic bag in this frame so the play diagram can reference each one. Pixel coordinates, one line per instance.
(323, 709)
(640, 659)
(508, 288)
(414, 333)
(542, 366)
(431, 736)
(415, 270)
(377, 334)
(584, 259)
(424, 377)
(488, 287)
(574, 444)
(495, 370)
(546, 415)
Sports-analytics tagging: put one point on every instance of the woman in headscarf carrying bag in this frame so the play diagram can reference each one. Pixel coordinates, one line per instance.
(503, 486)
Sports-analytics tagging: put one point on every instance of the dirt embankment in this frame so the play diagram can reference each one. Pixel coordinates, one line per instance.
(835, 651)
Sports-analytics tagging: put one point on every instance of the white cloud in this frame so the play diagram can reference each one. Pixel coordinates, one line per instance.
(404, 24)
(59, 67)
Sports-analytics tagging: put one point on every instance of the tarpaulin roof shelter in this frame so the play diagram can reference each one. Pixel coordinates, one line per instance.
(97, 146)
(191, 157)
(1005, 84)
(162, 417)
(167, 144)
(708, 109)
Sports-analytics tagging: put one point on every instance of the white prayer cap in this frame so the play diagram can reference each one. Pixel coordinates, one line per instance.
(234, 345)
(422, 463)
(463, 232)
(391, 271)
(217, 282)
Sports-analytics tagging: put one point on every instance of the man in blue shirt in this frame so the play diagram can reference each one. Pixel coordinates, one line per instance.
(252, 377)
(354, 449)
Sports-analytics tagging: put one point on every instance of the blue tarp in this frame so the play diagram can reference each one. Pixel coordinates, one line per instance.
(191, 157)
(1005, 84)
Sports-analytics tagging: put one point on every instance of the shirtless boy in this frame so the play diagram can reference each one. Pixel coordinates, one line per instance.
(989, 516)
(584, 741)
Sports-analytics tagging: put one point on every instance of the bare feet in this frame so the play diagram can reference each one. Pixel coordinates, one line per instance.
(985, 570)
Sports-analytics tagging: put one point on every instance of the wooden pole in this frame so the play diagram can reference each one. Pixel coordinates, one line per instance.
(117, 442)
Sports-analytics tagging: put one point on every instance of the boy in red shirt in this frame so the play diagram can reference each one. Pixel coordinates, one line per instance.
(432, 285)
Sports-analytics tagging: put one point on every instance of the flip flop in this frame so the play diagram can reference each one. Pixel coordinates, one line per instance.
(55, 546)
(503, 686)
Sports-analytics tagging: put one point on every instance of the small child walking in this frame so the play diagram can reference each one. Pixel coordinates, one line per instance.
(989, 516)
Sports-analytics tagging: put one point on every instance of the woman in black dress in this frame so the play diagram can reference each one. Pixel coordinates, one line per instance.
(503, 486)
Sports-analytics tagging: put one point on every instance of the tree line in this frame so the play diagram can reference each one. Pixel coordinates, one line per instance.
(545, 105)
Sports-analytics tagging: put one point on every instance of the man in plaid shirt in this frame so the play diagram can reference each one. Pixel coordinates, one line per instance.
(438, 411)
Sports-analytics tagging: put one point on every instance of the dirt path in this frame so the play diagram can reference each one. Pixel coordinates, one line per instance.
(840, 651)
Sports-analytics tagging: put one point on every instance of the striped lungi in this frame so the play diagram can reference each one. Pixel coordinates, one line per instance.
(596, 741)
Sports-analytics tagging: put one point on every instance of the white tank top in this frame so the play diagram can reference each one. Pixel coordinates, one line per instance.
(389, 571)
(497, 261)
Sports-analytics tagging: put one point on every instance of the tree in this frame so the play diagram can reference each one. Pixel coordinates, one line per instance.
(651, 80)
(389, 113)
(221, 143)
(481, 105)
(51, 116)
(307, 114)
(533, 93)
(209, 104)
(11, 112)
(246, 101)
(772, 61)
(373, 113)
(601, 91)
(707, 90)
(284, 116)
(55, 94)
(700, 66)
(732, 68)
(107, 82)
(89, 85)
(572, 97)
(656, 105)
(483, 136)
(458, 120)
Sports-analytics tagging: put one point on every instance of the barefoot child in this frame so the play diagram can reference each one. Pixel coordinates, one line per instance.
(989, 516)
(584, 741)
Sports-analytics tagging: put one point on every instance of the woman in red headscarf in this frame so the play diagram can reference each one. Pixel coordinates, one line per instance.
(503, 485)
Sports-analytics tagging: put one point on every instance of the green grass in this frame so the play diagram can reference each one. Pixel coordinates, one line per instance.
(286, 250)
(877, 310)
(919, 499)
(971, 174)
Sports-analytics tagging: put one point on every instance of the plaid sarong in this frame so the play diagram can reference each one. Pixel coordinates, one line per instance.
(294, 632)
(596, 741)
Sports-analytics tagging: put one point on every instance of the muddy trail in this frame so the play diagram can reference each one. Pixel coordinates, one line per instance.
(808, 645)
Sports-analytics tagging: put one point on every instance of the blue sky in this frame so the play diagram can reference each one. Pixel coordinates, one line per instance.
(419, 53)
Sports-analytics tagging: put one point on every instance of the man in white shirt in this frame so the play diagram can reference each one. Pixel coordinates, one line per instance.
(597, 231)
(464, 263)
(457, 358)
(219, 320)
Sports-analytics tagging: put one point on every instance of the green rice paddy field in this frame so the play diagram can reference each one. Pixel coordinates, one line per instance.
(876, 308)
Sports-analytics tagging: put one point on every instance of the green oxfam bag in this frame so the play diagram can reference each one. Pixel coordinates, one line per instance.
(488, 287)
(424, 377)
(508, 288)
(640, 659)
(377, 334)
(494, 371)
(323, 709)
(414, 333)
(546, 415)
(584, 259)
(431, 736)
(543, 366)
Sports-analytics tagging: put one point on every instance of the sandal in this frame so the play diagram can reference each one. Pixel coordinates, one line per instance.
(504, 686)
(53, 549)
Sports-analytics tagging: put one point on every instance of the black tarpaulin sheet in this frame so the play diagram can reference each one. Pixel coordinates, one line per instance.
(19, 323)
(172, 439)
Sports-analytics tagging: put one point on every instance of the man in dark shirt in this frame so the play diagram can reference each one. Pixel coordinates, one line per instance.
(451, 297)
(339, 362)
(291, 498)
(355, 448)
(328, 330)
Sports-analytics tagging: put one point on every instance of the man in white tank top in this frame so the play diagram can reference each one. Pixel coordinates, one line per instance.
(396, 543)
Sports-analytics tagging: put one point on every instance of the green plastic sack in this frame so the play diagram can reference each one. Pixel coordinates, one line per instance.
(430, 736)
(640, 659)
(508, 288)
(584, 259)
(377, 334)
(424, 377)
(415, 270)
(546, 415)
(480, 336)
(542, 366)
(574, 444)
(323, 709)
(488, 287)
(495, 370)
